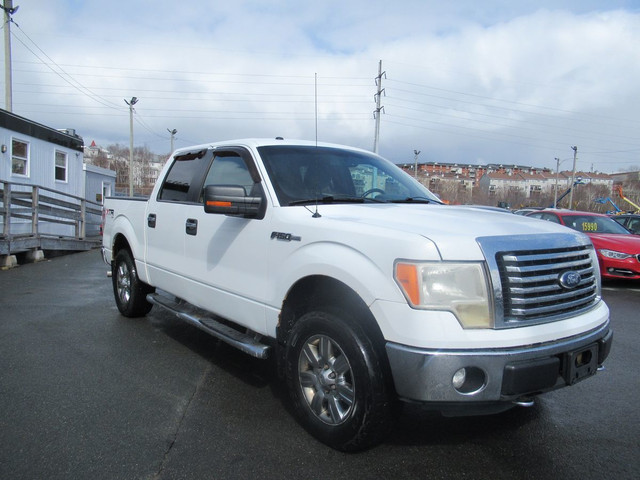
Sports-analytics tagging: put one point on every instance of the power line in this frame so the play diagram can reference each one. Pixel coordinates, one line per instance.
(66, 77)
(472, 117)
(545, 107)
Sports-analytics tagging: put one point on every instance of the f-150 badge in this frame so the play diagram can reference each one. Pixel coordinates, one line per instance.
(287, 237)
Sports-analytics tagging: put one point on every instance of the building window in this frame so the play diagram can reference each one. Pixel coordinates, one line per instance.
(61, 166)
(19, 157)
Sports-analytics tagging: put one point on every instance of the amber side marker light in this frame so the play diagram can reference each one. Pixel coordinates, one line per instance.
(407, 276)
(218, 204)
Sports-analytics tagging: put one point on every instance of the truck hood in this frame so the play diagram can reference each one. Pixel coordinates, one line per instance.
(453, 229)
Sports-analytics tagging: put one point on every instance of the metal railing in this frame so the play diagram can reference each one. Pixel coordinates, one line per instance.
(41, 205)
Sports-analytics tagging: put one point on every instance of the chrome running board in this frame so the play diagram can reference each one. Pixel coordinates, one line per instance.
(246, 342)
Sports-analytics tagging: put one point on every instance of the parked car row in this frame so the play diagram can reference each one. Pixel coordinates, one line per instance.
(618, 249)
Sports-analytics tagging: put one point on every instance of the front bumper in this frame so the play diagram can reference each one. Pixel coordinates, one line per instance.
(496, 375)
(628, 268)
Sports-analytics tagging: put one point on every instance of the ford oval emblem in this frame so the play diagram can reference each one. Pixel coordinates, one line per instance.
(569, 279)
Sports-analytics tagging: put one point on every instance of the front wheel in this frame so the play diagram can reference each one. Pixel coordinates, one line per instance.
(336, 382)
(129, 291)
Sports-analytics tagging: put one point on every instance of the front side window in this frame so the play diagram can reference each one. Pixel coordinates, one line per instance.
(61, 166)
(19, 157)
(228, 168)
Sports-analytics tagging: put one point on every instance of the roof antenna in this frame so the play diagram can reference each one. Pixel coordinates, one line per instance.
(316, 214)
(316, 105)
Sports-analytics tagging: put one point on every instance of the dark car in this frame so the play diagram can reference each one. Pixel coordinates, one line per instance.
(525, 210)
(618, 250)
(630, 221)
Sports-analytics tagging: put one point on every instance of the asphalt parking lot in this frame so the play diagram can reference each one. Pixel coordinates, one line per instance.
(88, 394)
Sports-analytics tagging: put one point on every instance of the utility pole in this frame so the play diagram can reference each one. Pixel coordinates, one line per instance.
(173, 133)
(379, 108)
(415, 158)
(573, 177)
(8, 11)
(131, 103)
(555, 196)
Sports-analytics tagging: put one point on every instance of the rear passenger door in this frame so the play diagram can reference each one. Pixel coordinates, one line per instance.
(167, 215)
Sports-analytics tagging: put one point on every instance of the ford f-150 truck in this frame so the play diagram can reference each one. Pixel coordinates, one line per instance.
(366, 288)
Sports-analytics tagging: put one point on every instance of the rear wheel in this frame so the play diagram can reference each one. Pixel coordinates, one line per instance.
(129, 291)
(336, 382)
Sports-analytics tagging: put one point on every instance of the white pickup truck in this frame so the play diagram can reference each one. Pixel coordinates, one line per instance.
(365, 288)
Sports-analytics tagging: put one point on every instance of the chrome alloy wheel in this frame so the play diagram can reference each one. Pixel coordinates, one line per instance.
(326, 379)
(123, 282)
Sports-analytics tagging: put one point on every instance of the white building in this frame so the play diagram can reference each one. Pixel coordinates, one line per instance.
(42, 186)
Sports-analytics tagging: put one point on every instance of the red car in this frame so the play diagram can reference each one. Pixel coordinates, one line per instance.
(618, 249)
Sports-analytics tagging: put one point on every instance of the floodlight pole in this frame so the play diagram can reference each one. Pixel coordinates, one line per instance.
(131, 103)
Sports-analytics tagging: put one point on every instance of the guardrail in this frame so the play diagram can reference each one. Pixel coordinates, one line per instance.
(70, 215)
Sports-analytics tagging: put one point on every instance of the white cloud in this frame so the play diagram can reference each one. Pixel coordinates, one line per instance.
(506, 82)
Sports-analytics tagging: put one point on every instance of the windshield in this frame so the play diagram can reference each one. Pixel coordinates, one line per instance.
(302, 174)
(593, 224)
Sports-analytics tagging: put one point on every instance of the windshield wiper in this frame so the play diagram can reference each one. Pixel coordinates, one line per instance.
(416, 200)
(327, 199)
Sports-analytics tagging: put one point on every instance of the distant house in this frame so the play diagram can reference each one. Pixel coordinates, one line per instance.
(501, 183)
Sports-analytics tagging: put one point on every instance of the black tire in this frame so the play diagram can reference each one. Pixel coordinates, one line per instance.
(337, 383)
(129, 291)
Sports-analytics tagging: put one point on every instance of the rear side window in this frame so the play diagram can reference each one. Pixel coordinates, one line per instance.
(634, 225)
(180, 177)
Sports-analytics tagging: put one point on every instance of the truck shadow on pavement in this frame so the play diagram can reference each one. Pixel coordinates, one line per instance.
(414, 426)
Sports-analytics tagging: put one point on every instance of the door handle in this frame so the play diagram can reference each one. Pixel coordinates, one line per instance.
(191, 227)
(151, 220)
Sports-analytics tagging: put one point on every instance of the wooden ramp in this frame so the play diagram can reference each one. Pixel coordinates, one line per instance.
(34, 219)
(24, 243)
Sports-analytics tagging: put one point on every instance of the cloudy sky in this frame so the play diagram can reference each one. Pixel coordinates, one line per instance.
(465, 81)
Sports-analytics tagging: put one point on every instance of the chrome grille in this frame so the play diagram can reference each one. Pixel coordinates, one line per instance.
(526, 271)
(531, 287)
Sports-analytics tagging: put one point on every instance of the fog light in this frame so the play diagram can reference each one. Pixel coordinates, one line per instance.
(469, 380)
(458, 378)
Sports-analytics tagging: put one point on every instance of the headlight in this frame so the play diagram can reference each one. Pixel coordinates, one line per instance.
(461, 288)
(615, 255)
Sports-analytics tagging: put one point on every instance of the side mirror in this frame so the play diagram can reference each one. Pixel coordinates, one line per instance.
(230, 200)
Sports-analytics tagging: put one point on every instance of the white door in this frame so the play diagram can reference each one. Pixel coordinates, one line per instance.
(216, 262)
(225, 255)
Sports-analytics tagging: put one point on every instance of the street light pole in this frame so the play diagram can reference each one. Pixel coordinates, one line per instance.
(131, 103)
(573, 177)
(415, 172)
(173, 133)
(555, 196)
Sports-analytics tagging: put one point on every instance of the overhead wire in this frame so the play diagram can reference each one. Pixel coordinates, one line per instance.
(61, 72)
